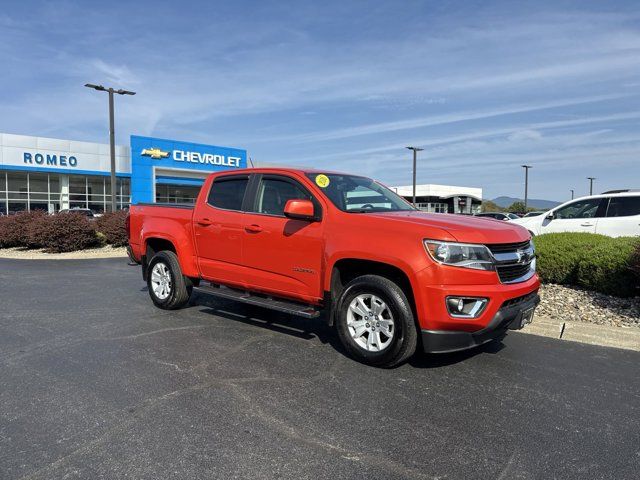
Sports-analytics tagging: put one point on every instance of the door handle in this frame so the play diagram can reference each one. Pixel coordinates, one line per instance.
(253, 228)
(586, 224)
(204, 222)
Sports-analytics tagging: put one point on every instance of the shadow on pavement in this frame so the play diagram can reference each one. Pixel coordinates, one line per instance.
(307, 329)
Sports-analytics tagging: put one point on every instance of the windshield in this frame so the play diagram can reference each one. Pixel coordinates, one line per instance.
(358, 194)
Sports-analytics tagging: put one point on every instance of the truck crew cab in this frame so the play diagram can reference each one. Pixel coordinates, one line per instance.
(387, 276)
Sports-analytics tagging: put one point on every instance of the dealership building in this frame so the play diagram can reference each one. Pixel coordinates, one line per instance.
(443, 198)
(51, 174)
(38, 173)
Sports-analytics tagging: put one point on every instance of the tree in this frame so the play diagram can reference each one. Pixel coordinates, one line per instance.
(518, 207)
(489, 206)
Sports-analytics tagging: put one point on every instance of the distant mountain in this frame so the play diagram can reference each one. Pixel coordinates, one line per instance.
(505, 202)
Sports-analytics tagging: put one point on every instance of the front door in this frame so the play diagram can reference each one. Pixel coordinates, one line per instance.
(218, 226)
(283, 256)
(578, 216)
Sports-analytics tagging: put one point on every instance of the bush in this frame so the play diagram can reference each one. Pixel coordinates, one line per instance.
(112, 226)
(558, 255)
(63, 233)
(595, 262)
(635, 260)
(14, 228)
(607, 268)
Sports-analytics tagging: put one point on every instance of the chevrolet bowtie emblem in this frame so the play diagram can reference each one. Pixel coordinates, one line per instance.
(154, 153)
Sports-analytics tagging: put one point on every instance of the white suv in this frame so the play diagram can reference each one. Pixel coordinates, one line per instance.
(615, 214)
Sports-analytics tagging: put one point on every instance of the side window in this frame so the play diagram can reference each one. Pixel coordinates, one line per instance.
(273, 195)
(580, 209)
(228, 192)
(623, 206)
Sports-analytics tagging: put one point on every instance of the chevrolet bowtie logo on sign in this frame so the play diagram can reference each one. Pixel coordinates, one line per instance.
(154, 153)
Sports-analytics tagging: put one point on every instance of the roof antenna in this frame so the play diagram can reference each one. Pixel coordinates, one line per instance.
(251, 162)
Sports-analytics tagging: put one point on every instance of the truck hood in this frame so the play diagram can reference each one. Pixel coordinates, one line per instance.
(463, 228)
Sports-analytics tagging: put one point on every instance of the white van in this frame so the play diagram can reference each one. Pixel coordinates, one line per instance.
(615, 214)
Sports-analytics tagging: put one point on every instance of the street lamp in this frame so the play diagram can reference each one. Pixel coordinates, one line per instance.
(526, 185)
(591, 179)
(112, 135)
(415, 151)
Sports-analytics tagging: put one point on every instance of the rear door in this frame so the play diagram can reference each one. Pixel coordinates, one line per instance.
(218, 225)
(283, 256)
(622, 218)
(579, 216)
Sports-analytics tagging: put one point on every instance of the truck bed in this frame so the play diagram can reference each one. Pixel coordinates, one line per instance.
(170, 221)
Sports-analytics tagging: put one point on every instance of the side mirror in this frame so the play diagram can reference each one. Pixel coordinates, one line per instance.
(549, 216)
(299, 209)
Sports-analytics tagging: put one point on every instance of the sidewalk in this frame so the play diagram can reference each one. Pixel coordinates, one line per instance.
(603, 335)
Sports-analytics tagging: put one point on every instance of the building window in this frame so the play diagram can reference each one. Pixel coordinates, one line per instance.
(38, 191)
(123, 196)
(17, 192)
(3, 193)
(433, 207)
(176, 193)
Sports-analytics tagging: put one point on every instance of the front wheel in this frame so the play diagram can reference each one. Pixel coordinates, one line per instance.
(168, 288)
(375, 322)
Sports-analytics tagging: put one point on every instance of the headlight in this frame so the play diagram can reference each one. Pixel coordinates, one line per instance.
(477, 257)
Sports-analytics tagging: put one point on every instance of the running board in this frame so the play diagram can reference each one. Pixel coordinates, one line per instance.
(280, 305)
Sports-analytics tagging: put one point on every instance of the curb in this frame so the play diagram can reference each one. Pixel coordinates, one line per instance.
(627, 338)
(13, 254)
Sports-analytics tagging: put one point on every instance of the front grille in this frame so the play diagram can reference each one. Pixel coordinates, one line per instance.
(513, 260)
(508, 247)
(509, 273)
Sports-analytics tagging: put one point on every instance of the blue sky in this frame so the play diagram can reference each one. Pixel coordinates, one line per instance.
(482, 86)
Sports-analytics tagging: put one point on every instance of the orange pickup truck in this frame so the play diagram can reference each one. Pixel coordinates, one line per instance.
(390, 278)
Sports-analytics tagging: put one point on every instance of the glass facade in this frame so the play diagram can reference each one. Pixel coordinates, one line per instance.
(20, 191)
(176, 193)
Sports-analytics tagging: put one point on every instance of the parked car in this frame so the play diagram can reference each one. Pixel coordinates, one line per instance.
(612, 214)
(302, 242)
(498, 216)
(533, 214)
(82, 211)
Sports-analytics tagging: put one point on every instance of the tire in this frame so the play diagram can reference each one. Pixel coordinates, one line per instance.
(396, 341)
(168, 288)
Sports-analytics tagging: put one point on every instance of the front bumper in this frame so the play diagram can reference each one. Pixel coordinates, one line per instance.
(508, 317)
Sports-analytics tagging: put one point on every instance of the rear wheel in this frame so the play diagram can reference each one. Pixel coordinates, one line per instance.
(168, 288)
(375, 321)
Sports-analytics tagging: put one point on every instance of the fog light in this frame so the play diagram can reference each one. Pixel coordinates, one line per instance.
(465, 307)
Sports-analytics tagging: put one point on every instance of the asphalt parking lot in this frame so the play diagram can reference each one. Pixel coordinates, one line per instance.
(97, 383)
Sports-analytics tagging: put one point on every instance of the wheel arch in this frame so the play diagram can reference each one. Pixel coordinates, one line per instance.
(346, 269)
(155, 243)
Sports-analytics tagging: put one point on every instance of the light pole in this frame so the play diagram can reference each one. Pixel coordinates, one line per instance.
(591, 179)
(112, 135)
(526, 185)
(415, 152)
(572, 194)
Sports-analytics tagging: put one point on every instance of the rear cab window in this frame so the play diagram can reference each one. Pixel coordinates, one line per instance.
(228, 192)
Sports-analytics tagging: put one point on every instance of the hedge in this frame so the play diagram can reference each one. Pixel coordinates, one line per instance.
(595, 262)
(112, 226)
(13, 229)
(62, 233)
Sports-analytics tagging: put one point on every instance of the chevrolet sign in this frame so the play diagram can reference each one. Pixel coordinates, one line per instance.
(204, 158)
(154, 153)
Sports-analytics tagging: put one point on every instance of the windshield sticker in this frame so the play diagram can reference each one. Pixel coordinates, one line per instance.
(322, 181)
